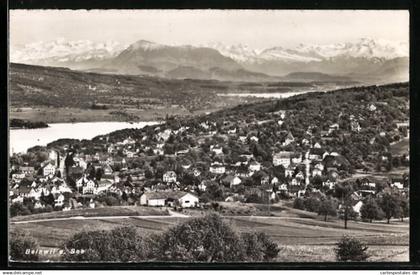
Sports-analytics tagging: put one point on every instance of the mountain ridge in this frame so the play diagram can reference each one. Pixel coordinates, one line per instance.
(363, 59)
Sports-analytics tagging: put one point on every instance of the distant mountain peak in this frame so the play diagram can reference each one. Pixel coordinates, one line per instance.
(145, 45)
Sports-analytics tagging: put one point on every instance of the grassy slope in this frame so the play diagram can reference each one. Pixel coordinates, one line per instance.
(105, 211)
(302, 239)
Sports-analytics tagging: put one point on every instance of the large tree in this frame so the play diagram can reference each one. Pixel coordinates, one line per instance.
(390, 204)
(370, 210)
(327, 207)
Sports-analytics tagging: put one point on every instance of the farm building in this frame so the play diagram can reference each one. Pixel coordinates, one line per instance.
(169, 198)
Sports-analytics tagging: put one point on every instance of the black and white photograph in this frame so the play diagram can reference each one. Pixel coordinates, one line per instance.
(208, 136)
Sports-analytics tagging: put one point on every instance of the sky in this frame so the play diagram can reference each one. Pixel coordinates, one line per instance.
(258, 29)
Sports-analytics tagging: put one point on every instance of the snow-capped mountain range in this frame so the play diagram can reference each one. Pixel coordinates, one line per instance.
(359, 58)
(363, 48)
(64, 51)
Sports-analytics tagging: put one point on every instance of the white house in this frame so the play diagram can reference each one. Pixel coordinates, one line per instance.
(217, 168)
(254, 166)
(316, 172)
(372, 107)
(217, 149)
(59, 201)
(48, 169)
(357, 207)
(188, 200)
(196, 172)
(282, 158)
(289, 139)
(274, 180)
(242, 139)
(330, 184)
(89, 187)
(169, 198)
(288, 172)
(169, 177)
(254, 139)
(235, 181)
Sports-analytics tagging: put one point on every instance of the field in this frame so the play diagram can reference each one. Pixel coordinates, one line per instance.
(303, 236)
(104, 211)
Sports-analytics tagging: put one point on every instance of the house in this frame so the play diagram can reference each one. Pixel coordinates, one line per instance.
(289, 172)
(254, 139)
(27, 170)
(316, 154)
(274, 181)
(332, 172)
(158, 152)
(242, 139)
(128, 141)
(333, 127)
(38, 205)
(300, 176)
(169, 198)
(48, 169)
(164, 136)
(217, 149)
(355, 126)
(59, 200)
(169, 177)
(265, 179)
(397, 183)
(107, 169)
(89, 187)
(296, 158)
(357, 207)
(217, 168)
(295, 182)
(182, 152)
(329, 184)
(289, 139)
(202, 186)
(282, 158)
(232, 131)
(319, 166)
(372, 107)
(254, 166)
(316, 172)
(196, 172)
(233, 180)
(317, 145)
(283, 188)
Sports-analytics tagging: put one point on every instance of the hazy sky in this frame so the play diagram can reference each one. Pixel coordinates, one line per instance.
(258, 29)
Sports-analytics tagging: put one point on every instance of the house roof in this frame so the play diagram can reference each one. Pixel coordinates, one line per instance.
(158, 195)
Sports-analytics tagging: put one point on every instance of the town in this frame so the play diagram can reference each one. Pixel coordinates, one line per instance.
(303, 149)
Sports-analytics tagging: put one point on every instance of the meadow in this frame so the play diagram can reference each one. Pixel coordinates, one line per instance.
(303, 236)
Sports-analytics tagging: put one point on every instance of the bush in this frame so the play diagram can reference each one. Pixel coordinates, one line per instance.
(259, 247)
(370, 210)
(206, 239)
(299, 203)
(17, 209)
(20, 242)
(350, 249)
(312, 204)
(122, 244)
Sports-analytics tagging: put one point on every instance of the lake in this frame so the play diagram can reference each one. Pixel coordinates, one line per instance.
(268, 95)
(23, 139)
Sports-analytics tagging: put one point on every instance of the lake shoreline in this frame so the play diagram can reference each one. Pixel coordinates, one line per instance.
(76, 115)
(23, 139)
